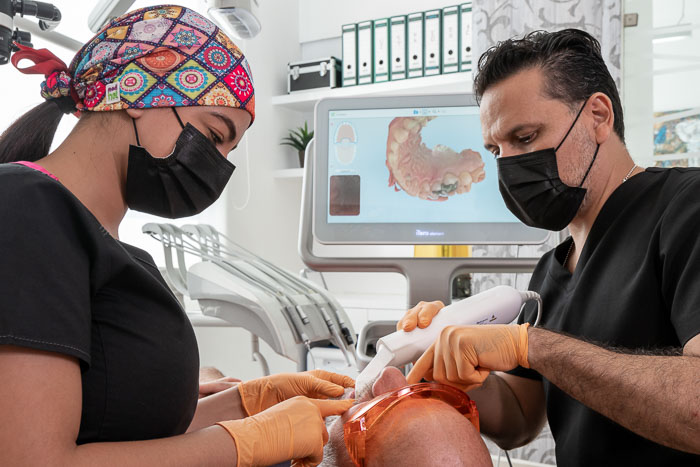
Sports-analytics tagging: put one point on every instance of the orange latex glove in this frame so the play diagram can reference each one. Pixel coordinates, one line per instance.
(465, 355)
(262, 393)
(293, 429)
(420, 315)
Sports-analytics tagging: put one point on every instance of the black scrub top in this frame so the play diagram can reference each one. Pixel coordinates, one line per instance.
(636, 286)
(67, 286)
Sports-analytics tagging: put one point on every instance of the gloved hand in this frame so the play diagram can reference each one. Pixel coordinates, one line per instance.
(262, 393)
(420, 315)
(293, 429)
(465, 355)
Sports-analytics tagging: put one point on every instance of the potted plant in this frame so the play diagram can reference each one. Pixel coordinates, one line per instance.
(299, 139)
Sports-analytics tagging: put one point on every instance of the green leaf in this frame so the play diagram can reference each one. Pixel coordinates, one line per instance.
(299, 137)
(292, 142)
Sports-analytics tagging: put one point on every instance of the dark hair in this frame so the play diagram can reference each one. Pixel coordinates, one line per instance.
(29, 137)
(571, 62)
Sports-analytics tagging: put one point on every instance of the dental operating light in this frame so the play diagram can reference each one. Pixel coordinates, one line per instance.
(235, 17)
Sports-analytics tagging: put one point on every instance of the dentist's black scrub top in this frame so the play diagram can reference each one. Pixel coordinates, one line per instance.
(67, 286)
(636, 286)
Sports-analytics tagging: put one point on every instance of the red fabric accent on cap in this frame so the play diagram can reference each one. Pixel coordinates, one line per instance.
(45, 62)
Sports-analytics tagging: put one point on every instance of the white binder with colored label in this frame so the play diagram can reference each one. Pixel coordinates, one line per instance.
(349, 55)
(364, 52)
(397, 47)
(433, 39)
(465, 32)
(415, 45)
(450, 39)
(381, 50)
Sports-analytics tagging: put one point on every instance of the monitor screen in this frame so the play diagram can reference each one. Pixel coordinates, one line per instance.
(396, 170)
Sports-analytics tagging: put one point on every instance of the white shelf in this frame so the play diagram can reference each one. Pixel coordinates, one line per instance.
(289, 173)
(304, 101)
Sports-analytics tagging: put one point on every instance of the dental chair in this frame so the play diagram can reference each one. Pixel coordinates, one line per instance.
(290, 313)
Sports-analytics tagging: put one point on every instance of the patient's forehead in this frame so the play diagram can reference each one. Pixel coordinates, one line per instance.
(420, 429)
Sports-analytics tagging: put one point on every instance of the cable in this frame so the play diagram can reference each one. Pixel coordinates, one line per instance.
(310, 354)
(508, 457)
(515, 274)
(300, 287)
(528, 295)
(247, 176)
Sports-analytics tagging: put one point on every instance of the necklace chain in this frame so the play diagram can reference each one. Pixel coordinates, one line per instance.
(568, 252)
(627, 177)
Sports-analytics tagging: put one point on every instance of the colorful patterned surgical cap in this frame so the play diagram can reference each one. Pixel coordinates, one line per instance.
(162, 56)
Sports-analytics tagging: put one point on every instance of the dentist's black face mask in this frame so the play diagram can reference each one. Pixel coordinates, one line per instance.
(531, 187)
(182, 184)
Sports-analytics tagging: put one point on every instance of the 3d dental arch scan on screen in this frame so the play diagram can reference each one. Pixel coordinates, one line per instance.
(430, 174)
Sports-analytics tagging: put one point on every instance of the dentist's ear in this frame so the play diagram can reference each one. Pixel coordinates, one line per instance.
(603, 116)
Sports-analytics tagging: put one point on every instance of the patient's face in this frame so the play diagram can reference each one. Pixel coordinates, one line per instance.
(417, 432)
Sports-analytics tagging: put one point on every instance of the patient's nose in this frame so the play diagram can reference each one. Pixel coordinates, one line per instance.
(389, 380)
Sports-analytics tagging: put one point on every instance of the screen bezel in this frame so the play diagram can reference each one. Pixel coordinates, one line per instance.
(399, 233)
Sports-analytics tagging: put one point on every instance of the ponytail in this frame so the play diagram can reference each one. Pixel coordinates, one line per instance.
(29, 137)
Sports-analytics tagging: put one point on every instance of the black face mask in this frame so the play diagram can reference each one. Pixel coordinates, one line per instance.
(182, 184)
(531, 187)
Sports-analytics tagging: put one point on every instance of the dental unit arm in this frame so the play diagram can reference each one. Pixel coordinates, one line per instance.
(499, 305)
(230, 282)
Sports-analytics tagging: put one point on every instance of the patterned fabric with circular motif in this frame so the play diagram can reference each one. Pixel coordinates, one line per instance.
(161, 56)
(57, 85)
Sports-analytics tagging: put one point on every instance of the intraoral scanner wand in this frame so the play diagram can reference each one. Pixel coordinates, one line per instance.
(499, 305)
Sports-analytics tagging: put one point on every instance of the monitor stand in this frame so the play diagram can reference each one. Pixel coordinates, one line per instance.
(427, 278)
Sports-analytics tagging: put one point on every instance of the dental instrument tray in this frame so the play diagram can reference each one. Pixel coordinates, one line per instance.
(314, 74)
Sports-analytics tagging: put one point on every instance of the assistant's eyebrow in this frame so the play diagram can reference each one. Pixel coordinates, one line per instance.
(229, 124)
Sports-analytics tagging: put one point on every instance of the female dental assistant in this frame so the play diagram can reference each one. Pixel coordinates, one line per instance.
(98, 361)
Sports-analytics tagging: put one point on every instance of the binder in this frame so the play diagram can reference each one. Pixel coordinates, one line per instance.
(416, 45)
(450, 39)
(465, 32)
(364, 52)
(433, 42)
(397, 47)
(349, 55)
(381, 50)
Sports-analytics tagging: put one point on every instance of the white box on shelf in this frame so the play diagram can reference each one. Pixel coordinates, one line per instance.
(381, 50)
(465, 32)
(397, 47)
(364, 52)
(349, 54)
(450, 39)
(433, 20)
(416, 45)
